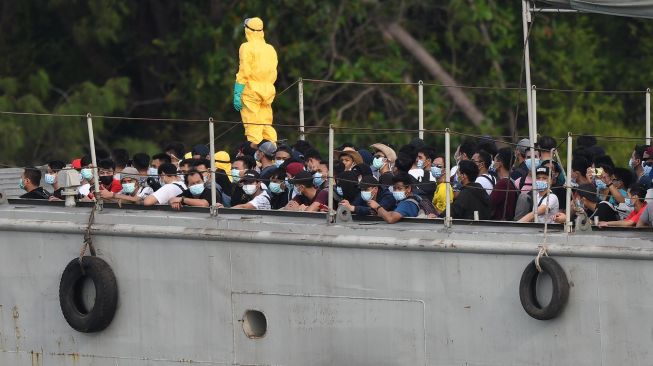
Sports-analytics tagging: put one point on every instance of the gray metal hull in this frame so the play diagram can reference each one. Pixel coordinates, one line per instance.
(365, 293)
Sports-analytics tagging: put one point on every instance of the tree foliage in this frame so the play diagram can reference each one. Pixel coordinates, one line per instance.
(178, 59)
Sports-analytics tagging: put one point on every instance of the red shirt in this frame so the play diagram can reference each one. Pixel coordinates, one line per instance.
(634, 216)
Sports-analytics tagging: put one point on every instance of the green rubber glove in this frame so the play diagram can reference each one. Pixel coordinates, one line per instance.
(238, 91)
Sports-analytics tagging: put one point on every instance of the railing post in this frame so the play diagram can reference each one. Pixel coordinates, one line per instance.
(332, 181)
(648, 116)
(447, 172)
(214, 208)
(300, 88)
(534, 114)
(568, 184)
(526, 19)
(96, 175)
(420, 94)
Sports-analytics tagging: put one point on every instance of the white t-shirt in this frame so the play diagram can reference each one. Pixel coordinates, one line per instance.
(168, 191)
(142, 192)
(84, 189)
(262, 201)
(487, 181)
(552, 201)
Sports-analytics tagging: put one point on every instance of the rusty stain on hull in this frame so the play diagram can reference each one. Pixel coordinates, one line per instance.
(15, 315)
(36, 358)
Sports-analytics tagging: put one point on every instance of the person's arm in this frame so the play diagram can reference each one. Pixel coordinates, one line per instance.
(620, 223)
(196, 202)
(390, 217)
(247, 205)
(129, 198)
(527, 218)
(150, 200)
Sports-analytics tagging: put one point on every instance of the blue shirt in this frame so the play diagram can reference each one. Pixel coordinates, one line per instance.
(384, 198)
(407, 209)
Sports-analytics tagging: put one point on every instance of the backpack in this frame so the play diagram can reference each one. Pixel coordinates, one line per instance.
(425, 206)
(525, 204)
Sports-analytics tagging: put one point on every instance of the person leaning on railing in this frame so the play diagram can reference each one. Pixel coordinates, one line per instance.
(407, 206)
(132, 189)
(636, 199)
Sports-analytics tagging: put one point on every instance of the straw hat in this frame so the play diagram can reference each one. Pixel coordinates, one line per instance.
(386, 150)
(358, 159)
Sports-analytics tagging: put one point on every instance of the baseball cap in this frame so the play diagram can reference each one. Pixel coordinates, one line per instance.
(294, 168)
(268, 148)
(368, 181)
(201, 150)
(129, 172)
(304, 178)
(523, 145)
(250, 176)
(542, 170)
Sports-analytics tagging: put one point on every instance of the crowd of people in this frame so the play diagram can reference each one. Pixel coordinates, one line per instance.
(487, 182)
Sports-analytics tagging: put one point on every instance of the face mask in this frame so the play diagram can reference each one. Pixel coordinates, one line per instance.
(629, 202)
(296, 190)
(87, 173)
(600, 184)
(579, 203)
(21, 185)
(573, 182)
(399, 195)
(275, 187)
(106, 179)
(530, 161)
(492, 168)
(152, 172)
(288, 184)
(196, 189)
(378, 163)
(317, 179)
(278, 162)
(235, 174)
(366, 195)
(257, 157)
(249, 189)
(436, 172)
(647, 169)
(631, 163)
(116, 176)
(50, 178)
(339, 191)
(541, 185)
(420, 164)
(128, 188)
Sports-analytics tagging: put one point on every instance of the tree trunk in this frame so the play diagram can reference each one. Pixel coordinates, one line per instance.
(398, 33)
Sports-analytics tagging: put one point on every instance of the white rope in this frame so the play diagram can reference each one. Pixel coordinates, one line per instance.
(542, 252)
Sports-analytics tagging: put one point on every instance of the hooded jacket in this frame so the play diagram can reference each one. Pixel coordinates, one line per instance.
(258, 65)
(472, 197)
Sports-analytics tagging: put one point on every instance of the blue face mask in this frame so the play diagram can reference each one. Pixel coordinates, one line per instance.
(647, 170)
(631, 163)
(436, 172)
(288, 184)
(339, 191)
(50, 178)
(366, 195)
(278, 162)
(399, 195)
(492, 168)
(541, 185)
(530, 161)
(21, 185)
(317, 179)
(420, 164)
(152, 172)
(196, 189)
(87, 173)
(629, 202)
(235, 175)
(600, 184)
(257, 157)
(128, 188)
(275, 187)
(378, 163)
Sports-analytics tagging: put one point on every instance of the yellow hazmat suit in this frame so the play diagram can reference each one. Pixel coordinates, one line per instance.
(254, 89)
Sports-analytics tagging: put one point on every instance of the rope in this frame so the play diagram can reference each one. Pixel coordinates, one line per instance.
(88, 241)
(289, 86)
(542, 252)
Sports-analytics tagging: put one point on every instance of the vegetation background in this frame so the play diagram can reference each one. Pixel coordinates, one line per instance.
(178, 59)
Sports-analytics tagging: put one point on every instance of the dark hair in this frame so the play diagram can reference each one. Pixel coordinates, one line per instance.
(86, 160)
(468, 168)
(428, 151)
(190, 162)
(56, 165)
(167, 169)
(33, 174)
(163, 157)
(586, 140)
(485, 157)
(608, 168)
(248, 161)
(638, 190)
(189, 173)
(278, 174)
(312, 154)
(604, 160)
(410, 151)
(467, 147)
(639, 151)
(362, 169)
(140, 161)
(303, 147)
(404, 162)
(625, 175)
(506, 157)
(488, 145)
(404, 178)
(106, 164)
(121, 157)
(546, 143)
(285, 148)
(177, 147)
(338, 168)
(580, 164)
(205, 162)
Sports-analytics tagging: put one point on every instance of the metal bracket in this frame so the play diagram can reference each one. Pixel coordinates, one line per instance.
(343, 215)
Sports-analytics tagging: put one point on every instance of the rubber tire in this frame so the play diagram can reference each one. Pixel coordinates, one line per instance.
(106, 294)
(527, 291)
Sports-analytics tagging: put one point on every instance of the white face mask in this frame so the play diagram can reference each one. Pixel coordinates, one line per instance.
(249, 189)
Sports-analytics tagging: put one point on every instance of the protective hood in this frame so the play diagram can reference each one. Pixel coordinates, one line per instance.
(254, 29)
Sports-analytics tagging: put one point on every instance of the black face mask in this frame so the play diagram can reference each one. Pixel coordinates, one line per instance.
(106, 179)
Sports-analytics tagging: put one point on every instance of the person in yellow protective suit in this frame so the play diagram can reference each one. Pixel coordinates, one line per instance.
(254, 88)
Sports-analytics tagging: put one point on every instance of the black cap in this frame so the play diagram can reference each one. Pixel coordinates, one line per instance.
(304, 178)
(588, 191)
(250, 176)
(542, 170)
(368, 181)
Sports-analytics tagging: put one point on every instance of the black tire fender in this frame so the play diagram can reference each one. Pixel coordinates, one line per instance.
(106, 294)
(528, 295)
